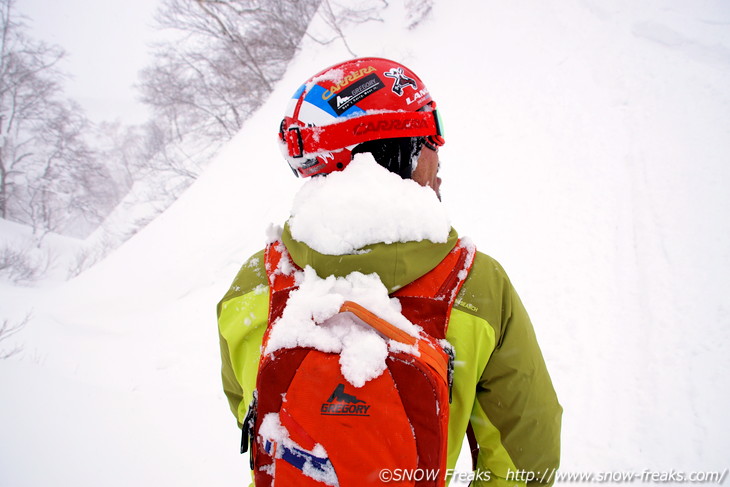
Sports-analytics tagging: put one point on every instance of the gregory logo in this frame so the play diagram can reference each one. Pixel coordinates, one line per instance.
(342, 404)
(350, 95)
(342, 101)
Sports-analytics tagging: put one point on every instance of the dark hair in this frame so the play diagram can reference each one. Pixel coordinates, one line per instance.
(396, 155)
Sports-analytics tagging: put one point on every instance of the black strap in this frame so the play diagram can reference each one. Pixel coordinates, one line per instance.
(473, 445)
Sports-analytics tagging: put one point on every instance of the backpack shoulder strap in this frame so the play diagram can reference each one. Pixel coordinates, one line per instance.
(280, 269)
(428, 300)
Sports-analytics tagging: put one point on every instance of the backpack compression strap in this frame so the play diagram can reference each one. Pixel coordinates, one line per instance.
(428, 300)
(280, 269)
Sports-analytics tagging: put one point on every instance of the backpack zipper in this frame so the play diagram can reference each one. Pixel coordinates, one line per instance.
(450, 373)
(248, 427)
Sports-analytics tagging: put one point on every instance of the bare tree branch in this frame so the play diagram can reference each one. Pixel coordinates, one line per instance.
(7, 330)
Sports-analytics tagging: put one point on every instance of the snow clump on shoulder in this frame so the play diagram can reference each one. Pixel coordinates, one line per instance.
(365, 204)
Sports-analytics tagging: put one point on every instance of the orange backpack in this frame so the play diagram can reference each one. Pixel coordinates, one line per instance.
(308, 426)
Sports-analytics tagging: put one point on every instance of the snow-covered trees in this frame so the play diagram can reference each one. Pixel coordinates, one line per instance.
(214, 65)
(218, 64)
(222, 61)
(49, 177)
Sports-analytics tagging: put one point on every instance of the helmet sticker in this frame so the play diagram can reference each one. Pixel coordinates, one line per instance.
(417, 96)
(315, 97)
(400, 80)
(354, 93)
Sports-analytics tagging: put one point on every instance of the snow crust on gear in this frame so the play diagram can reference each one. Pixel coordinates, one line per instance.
(362, 205)
(272, 429)
(312, 319)
(273, 233)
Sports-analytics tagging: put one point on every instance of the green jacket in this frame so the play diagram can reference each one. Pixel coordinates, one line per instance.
(501, 383)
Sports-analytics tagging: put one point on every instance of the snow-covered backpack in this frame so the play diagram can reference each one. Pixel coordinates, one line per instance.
(309, 426)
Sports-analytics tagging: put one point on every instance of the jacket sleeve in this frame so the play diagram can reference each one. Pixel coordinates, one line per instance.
(242, 319)
(515, 399)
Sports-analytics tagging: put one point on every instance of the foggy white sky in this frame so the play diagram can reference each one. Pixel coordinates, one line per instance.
(106, 45)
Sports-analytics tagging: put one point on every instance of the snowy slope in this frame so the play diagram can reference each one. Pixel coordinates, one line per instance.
(587, 150)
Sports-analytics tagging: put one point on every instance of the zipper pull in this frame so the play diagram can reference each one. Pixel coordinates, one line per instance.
(452, 357)
(247, 428)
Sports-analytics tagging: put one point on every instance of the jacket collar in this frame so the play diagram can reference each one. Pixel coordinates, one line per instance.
(397, 263)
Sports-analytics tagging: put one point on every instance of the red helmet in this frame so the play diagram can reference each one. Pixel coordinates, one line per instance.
(351, 103)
